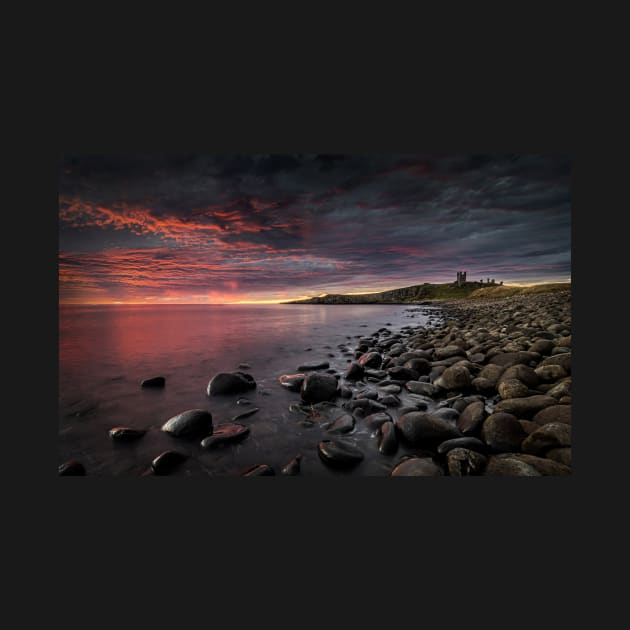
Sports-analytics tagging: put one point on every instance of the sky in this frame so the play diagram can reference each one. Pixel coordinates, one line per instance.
(267, 228)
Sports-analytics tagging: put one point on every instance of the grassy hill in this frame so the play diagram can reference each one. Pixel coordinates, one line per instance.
(433, 292)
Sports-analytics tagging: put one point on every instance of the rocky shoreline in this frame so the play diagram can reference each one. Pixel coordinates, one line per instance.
(484, 388)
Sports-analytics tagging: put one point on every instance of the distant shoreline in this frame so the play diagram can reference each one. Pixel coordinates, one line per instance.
(428, 294)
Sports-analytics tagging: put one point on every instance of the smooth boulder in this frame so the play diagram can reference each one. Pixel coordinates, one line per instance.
(189, 423)
(226, 383)
(463, 462)
(418, 426)
(71, 469)
(167, 461)
(553, 413)
(125, 434)
(471, 418)
(551, 435)
(223, 433)
(502, 432)
(387, 440)
(339, 454)
(417, 467)
(318, 388)
(156, 381)
(525, 407)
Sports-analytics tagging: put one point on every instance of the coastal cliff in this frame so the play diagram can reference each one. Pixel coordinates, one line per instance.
(419, 293)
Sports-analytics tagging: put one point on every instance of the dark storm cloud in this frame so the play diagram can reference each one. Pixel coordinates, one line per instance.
(266, 224)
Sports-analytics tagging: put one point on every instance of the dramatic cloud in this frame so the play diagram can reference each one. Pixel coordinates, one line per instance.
(194, 228)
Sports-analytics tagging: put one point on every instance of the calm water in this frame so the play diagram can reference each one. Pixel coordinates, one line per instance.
(106, 351)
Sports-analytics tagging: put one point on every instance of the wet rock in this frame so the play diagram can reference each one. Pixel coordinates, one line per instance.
(318, 387)
(125, 434)
(391, 400)
(368, 393)
(560, 455)
(553, 413)
(354, 372)
(156, 381)
(262, 470)
(417, 467)
(343, 424)
(310, 367)
(563, 360)
(512, 388)
(191, 423)
(459, 402)
(390, 389)
(502, 432)
(492, 373)
(504, 466)
(470, 443)
(508, 359)
(529, 426)
(415, 354)
(71, 469)
(245, 414)
(525, 407)
(425, 389)
(449, 351)
(483, 385)
(226, 383)
(293, 382)
(167, 461)
(375, 420)
(542, 346)
(243, 401)
(293, 467)
(454, 378)
(471, 418)
(550, 373)
(422, 366)
(446, 413)
(551, 435)
(377, 374)
(339, 454)
(401, 373)
(462, 462)
(541, 465)
(561, 389)
(522, 373)
(387, 439)
(371, 360)
(345, 392)
(418, 426)
(224, 433)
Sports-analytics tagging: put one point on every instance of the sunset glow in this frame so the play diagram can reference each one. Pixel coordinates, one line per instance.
(267, 229)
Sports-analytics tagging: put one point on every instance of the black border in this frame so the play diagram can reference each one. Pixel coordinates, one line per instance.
(488, 522)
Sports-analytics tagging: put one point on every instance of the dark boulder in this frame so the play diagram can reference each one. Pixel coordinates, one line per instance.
(167, 461)
(318, 387)
(191, 423)
(502, 432)
(156, 381)
(262, 470)
(125, 434)
(226, 383)
(462, 462)
(224, 433)
(417, 467)
(339, 454)
(71, 469)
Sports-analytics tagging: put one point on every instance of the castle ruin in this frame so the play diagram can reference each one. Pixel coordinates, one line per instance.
(461, 280)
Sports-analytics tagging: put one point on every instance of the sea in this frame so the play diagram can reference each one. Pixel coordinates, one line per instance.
(106, 351)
